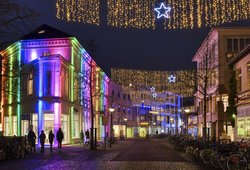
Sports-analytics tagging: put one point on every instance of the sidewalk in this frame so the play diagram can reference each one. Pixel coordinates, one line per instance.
(68, 155)
(68, 150)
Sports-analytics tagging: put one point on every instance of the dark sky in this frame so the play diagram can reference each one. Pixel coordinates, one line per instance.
(130, 48)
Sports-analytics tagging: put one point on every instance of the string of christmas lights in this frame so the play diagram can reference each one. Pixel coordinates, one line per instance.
(184, 14)
(178, 82)
(131, 13)
(85, 11)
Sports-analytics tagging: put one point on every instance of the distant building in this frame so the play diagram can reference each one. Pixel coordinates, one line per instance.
(47, 78)
(153, 96)
(219, 47)
(241, 66)
(124, 121)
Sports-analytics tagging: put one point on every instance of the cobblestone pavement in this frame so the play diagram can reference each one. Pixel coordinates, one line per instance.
(74, 158)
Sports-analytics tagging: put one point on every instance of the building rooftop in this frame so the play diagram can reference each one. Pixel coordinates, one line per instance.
(44, 32)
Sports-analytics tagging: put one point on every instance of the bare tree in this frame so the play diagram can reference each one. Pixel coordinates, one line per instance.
(86, 84)
(206, 76)
(15, 18)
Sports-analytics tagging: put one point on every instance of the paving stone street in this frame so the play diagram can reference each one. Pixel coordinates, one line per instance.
(137, 154)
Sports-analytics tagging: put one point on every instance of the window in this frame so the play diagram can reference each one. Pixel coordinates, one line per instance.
(229, 45)
(128, 96)
(113, 92)
(235, 45)
(118, 94)
(30, 84)
(47, 82)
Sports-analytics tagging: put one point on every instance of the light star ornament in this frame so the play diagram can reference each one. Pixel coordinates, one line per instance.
(152, 89)
(166, 14)
(154, 95)
(171, 79)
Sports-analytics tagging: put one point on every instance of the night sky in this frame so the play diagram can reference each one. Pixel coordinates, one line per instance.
(157, 49)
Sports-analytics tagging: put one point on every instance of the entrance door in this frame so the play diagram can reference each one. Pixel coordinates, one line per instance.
(48, 125)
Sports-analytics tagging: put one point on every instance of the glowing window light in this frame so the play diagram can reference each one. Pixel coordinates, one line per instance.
(166, 14)
(57, 118)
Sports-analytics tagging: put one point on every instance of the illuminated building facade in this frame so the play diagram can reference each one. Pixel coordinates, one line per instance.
(241, 67)
(47, 78)
(219, 47)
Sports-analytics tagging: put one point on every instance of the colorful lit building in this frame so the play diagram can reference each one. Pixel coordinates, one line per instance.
(241, 67)
(219, 47)
(48, 81)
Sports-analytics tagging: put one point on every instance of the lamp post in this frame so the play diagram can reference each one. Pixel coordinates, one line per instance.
(111, 125)
(125, 120)
(186, 118)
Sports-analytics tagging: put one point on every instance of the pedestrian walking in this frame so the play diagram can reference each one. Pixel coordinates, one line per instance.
(42, 138)
(87, 134)
(82, 136)
(32, 140)
(51, 139)
(59, 137)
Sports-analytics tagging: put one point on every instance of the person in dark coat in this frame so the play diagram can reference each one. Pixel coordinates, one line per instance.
(51, 139)
(32, 140)
(87, 134)
(42, 138)
(59, 137)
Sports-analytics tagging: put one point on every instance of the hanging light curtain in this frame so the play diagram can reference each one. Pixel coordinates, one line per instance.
(184, 14)
(85, 11)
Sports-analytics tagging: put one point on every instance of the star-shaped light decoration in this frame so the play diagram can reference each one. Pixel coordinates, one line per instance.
(171, 79)
(166, 14)
(154, 95)
(152, 89)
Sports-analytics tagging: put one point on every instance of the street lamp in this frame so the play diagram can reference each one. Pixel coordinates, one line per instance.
(186, 119)
(111, 125)
(125, 120)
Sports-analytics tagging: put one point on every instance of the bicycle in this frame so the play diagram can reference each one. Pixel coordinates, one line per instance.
(239, 160)
(99, 145)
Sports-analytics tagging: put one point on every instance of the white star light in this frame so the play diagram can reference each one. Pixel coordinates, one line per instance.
(171, 79)
(154, 95)
(152, 89)
(165, 14)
